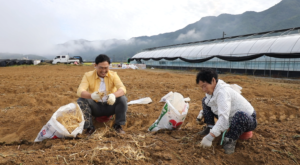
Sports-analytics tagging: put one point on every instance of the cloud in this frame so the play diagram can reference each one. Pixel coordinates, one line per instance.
(76, 46)
(24, 29)
(190, 35)
(33, 26)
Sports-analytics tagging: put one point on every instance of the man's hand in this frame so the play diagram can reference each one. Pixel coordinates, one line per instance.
(111, 99)
(95, 96)
(207, 141)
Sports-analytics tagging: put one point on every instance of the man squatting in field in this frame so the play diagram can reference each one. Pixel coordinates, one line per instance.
(235, 114)
(92, 104)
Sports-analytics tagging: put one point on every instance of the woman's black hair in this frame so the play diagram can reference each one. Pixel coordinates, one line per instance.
(206, 75)
(101, 58)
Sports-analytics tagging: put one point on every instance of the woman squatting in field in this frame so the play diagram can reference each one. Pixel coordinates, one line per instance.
(235, 114)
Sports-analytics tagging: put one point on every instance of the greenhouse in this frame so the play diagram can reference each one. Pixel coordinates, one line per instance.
(274, 53)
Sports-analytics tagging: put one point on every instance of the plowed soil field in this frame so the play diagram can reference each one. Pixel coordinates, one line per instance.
(31, 94)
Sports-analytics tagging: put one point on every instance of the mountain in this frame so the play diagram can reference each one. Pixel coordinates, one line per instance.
(21, 56)
(285, 14)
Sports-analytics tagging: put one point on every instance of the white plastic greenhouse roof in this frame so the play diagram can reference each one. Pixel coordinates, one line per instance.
(284, 44)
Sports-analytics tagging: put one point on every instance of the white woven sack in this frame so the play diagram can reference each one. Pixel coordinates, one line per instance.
(53, 129)
(170, 118)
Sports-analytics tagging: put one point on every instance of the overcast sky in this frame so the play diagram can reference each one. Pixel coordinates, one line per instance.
(33, 26)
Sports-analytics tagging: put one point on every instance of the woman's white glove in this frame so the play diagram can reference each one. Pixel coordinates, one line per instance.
(95, 96)
(207, 141)
(199, 117)
(111, 99)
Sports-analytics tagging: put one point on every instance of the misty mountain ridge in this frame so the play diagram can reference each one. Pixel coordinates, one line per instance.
(21, 56)
(285, 14)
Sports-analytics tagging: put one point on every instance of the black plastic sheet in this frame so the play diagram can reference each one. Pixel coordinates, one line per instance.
(226, 58)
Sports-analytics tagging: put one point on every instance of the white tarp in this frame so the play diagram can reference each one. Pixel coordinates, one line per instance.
(145, 100)
(130, 66)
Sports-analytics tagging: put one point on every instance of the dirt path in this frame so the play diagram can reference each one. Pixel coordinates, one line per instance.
(31, 94)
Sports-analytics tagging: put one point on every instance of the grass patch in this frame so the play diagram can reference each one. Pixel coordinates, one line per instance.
(24, 65)
(87, 64)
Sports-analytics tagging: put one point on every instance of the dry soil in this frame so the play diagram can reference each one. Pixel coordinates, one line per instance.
(31, 94)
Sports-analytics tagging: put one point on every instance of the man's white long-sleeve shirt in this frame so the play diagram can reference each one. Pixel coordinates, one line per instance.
(225, 102)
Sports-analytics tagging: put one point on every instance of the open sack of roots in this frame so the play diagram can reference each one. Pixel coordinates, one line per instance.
(66, 122)
(71, 120)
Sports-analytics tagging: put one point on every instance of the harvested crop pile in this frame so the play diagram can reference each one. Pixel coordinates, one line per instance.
(71, 120)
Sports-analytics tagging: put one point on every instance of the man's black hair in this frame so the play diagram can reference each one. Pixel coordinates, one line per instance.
(206, 75)
(101, 58)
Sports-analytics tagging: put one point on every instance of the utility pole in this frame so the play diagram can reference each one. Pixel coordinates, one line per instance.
(224, 35)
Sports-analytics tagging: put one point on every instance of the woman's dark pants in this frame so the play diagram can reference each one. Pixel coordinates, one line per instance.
(240, 123)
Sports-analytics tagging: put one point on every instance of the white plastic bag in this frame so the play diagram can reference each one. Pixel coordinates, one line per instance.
(170, 96)
(53, 129)
(145, 100)
(133, 66)
(170, 117)
(124, 66)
